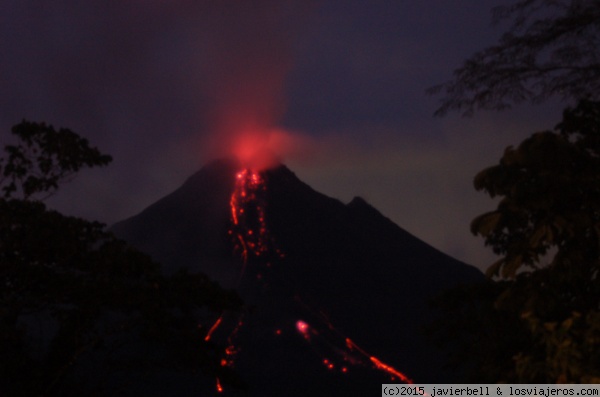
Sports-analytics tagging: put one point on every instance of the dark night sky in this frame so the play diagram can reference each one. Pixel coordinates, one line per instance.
(163, 85)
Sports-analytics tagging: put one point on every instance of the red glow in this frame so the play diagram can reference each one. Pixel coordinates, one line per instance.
(249, 226)
(213, 328)
(249, 234)
(352, 346)
(254, 150)
(260, 147)
(378, 363)
(303, 328)
(254, 245)
(392, 371)
(219, 387)
(230, 350)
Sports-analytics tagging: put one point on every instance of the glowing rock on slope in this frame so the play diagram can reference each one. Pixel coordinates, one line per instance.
(249, 227)
(250, 238)
(352, 353)
(213, 328)
(302, 327)
(254, 244)
(390, 370)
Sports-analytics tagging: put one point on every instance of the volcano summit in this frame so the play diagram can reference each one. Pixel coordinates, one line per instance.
(336, 294)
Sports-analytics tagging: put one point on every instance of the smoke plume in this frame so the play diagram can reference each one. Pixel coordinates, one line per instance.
(251, 46)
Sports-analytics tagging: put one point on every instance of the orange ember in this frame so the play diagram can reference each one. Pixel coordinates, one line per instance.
(392, 371)
(250, 237)
(255, 247)
(247, 215)
(302, 326)
(378, 363)
(213, 328)
(255, 150)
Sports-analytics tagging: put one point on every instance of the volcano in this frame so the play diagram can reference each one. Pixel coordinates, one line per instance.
(337, 293)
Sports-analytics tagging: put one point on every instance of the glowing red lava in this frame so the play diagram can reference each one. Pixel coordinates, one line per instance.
(353, 354)
(250, 238)
(255, 246)
(378, 363)
(213, 328)
(302, 327)
(391, 370)
(249, 228)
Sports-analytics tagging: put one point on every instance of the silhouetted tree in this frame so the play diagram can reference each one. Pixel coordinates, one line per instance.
(43, 158)
(552, 49)
(76, 304)
(545, 303)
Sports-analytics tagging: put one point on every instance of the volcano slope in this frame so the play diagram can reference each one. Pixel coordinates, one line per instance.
(336, 294)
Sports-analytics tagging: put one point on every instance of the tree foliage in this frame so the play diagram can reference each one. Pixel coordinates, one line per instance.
(44, 158)
(550, 190)
(546, 229)
(77, 305)
(551, 49)
(537, 318)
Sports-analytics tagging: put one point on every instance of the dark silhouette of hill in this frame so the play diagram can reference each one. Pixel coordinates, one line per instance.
(347, 271)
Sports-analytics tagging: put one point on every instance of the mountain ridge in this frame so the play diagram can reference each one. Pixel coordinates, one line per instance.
(349, 269)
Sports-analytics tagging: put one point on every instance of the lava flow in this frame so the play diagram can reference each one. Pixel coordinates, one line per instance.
(247, 215)
(251, 240)
(255, 246)
(328, 344)
(249, 228)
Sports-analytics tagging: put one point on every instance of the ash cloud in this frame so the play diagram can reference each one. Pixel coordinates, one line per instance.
(163, 86)
(248, 72)
(147, 70)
